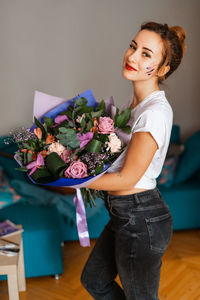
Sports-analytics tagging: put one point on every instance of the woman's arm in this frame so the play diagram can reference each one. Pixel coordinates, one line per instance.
(139, 156)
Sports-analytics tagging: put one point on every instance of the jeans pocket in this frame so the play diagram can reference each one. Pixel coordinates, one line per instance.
(160, 231)
(120, 216)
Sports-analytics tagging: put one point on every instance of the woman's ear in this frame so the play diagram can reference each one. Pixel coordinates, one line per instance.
(163, 70)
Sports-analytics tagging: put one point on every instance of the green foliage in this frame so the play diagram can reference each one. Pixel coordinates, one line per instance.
(122, 119)
(89, 196)
(89, 125)
(55, 164)
(42, 175)
(99, 169)
(126, 129)
(68, 138)
(97, 114)
(101, 107)
(116, 116)
(48, 122)
(39, 124)
(94, 146)
(22, 169)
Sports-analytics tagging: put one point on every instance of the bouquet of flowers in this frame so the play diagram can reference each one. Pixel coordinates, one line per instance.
(72, 144)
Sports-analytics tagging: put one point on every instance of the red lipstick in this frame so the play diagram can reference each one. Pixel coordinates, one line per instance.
(128, 67)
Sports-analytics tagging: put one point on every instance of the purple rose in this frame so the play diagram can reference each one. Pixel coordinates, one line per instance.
(106, 125)
(61, 118)
(77, 169)
(84, 138)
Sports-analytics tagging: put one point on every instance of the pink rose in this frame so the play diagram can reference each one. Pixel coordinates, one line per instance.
(65, 155)
(106, 125)
(77, 169)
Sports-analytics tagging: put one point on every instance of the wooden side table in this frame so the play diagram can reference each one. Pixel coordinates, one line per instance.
(13, 267)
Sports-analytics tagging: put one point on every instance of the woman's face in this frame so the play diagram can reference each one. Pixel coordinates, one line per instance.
(143, 56)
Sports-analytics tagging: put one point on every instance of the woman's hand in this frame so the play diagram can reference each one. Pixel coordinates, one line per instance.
(140, 153)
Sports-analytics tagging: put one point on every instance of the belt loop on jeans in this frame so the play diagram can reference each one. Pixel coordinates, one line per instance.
(136, 198)
(158, 192)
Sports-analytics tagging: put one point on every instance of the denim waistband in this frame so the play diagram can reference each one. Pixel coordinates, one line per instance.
(138, 198)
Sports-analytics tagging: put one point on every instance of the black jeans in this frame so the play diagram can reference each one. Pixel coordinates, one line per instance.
(132, 245)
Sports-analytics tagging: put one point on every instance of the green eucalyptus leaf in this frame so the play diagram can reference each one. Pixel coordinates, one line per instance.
(71, 124)
(69, 139)
(63, 129)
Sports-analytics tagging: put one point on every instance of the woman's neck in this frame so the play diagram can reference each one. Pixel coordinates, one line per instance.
(141, 90)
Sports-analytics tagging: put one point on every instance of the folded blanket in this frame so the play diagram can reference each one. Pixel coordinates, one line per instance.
(8, 195)
(64, 203)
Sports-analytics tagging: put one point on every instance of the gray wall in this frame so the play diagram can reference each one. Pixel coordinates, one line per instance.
(64, 47)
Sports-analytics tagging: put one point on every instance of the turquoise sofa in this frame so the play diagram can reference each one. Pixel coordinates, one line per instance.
(45, 228)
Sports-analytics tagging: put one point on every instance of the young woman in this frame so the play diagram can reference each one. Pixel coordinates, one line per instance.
(140, 227)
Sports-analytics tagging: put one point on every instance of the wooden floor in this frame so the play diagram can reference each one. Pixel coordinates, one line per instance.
(180, 275)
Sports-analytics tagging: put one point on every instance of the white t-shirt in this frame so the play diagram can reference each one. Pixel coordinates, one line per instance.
(153, 114)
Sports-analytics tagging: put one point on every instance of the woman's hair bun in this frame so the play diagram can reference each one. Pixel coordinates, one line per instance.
(180, 32)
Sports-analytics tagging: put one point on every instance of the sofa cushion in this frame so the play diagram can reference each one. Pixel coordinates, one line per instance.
(183, 202)
(189, 161)
(175, 134)
(166, 177)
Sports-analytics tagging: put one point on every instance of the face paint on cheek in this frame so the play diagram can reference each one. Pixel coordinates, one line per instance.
(150, 69)
(149, 72)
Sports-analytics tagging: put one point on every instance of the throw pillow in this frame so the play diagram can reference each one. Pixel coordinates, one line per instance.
(166, 177)
(189, 161)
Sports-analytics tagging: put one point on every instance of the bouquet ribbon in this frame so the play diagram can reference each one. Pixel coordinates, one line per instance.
(81, 220)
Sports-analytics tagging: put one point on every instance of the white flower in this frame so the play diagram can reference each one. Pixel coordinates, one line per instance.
(114, 143)
(56, 147)
(79, 119)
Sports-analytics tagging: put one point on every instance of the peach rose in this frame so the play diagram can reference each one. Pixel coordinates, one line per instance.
(114, 143)
(56, 147)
